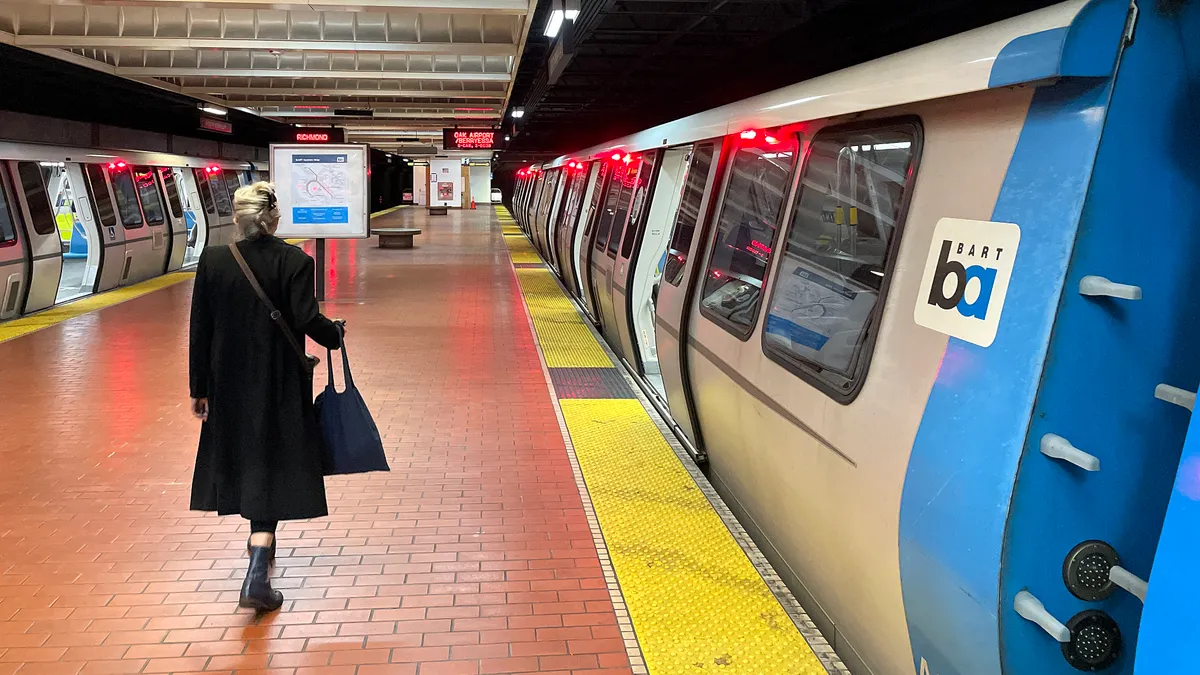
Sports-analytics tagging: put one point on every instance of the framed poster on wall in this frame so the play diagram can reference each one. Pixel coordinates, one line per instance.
(443, 173)
(323, 190)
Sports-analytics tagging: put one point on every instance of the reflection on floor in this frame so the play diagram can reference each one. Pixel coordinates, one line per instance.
(70, 285)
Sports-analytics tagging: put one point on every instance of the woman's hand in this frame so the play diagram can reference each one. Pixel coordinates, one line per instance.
(200, 408)
(341, 324)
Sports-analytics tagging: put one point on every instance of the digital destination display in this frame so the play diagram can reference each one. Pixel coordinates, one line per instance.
(468, 139)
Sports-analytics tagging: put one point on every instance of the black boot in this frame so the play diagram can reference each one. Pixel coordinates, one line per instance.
(272, 547)
(257, 593)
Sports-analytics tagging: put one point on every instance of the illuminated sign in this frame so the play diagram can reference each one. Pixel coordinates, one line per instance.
(312, 138)
(317, 135)
(219, 126)
(468, 139)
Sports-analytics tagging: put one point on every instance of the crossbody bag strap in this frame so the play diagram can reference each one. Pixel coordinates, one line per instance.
(275, 315)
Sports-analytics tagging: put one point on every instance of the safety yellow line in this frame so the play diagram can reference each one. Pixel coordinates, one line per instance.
(34, 322)
(697, 602)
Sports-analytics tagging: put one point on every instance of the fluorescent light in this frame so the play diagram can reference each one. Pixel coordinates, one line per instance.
(52, 164)
(508, 138)
(518, 113)
(554, 24)
(572, 14)
(893, 146)
(213, 110)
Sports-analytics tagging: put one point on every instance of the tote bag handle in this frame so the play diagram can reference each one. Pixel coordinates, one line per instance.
(346, 375)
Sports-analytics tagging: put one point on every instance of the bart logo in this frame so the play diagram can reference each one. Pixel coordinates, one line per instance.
(966, 278)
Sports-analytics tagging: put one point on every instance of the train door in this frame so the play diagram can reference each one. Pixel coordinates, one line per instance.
(111, 241)
(541, 221)
(223, 201)
(582, 220)
(554, 216)
(645, 269)
(608, 241)
(77, 227)
(12, 254)
(193, 215)
(671, 309)
(208, 200)
(43, 243)
(142, 259)
(590, 235)
(154, 213)
(177, 234)
(623, 269)
(564, 244)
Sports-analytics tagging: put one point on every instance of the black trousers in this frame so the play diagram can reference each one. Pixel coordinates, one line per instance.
(263, 526)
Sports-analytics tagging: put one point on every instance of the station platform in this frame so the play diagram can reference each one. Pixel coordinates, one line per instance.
(538, 517)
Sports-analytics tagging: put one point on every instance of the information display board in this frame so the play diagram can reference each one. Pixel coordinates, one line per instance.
(469, 139)
(323, 190)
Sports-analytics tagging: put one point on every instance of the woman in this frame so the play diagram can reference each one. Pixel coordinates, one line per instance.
(260, 450)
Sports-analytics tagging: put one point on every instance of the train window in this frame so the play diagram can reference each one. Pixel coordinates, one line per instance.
(148, 193)
(231, 182)
(8, 228)
(688, 212)
(745, 233)
(221, 196)
(205, 190)
(97, 190)
(593, 207)
(604, 220)
(127, 201)
(626, 177)
(842, 237)
(174, 205)
(640, 194)
(40, 214)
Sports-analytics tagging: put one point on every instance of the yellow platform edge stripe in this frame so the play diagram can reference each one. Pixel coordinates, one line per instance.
(696, 600)
(34, 322)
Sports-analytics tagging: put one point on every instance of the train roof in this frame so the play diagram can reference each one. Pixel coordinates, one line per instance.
(1040, 46)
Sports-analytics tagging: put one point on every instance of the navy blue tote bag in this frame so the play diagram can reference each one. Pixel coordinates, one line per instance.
(352, 443)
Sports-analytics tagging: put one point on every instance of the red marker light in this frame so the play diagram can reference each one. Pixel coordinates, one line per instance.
(627, 159)
(771, 140)
(750, 134)
(616, 157)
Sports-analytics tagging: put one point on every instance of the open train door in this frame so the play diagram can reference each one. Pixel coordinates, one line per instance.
(43, 242)
(675, 292)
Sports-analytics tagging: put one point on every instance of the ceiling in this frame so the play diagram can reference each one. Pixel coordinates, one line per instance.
(637, 63)
(418, 65)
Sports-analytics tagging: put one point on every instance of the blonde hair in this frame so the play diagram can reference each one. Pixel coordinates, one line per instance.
(255, 210)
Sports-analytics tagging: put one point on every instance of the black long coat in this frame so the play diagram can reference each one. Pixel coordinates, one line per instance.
(260, 451)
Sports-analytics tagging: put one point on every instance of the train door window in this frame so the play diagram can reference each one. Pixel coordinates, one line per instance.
(608, 211)
(641, 184)
(127, 201)
(842, 237)
(688, 213)
(174, 204)
(221, 196)
(593, 208)
(148, 194)
(8, 228)
(232, 183)
(628, 180)
(41, 217)
(97, 191)
(206, 193)
(745, 232)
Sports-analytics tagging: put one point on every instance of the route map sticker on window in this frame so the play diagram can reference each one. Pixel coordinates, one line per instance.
(323, 191)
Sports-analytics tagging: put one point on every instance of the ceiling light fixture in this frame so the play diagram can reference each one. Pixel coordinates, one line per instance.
(518, 113)
(212, 109)
(554, 24)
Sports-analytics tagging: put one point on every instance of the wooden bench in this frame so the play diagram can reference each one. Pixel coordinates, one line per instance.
(395, 237)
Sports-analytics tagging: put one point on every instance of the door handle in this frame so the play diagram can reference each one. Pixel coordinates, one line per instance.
(1100, 286)
(1056, 446)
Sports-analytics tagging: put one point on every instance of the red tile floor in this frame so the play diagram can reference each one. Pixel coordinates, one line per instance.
(472, 556)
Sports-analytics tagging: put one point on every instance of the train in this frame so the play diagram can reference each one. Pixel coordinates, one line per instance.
(76, 221)
(927, 323)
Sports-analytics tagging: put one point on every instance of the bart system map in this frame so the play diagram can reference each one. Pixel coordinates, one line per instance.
(320, 189)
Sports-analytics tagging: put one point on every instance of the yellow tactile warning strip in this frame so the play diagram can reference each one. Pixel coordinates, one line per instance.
(26, 325)
(697, 602)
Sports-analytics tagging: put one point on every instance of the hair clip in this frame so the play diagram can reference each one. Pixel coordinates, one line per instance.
(271, 200)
